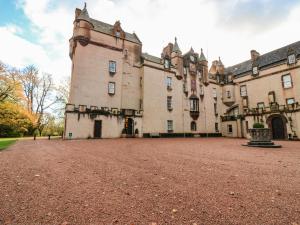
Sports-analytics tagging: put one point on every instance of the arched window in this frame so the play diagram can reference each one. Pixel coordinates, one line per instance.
(193, 126)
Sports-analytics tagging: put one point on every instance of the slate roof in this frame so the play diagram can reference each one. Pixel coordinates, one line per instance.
(104, 27)
(264, 60)
(151, 58)
(202, 56)
(107, 29)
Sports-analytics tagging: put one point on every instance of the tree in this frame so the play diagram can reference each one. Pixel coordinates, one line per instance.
(14, 120)
(39, 93)
(9, 84)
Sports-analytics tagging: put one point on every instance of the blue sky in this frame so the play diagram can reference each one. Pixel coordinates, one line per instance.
(37, 31)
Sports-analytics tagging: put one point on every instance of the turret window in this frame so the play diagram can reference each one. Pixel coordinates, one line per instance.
(194, 105)
(167, 64)
(112, 67)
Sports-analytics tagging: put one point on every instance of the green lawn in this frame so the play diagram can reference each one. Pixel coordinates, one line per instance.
(5, 142)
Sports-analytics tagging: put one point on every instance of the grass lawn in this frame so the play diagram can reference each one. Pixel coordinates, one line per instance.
(5, 142)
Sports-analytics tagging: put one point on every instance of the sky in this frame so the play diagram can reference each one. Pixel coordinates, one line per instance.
(37, 31)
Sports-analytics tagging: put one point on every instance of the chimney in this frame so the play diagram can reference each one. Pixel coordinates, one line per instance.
(254, 55)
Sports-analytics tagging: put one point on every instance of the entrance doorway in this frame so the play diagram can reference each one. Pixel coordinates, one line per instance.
(129, 126)
(97, 129)
(278, 128)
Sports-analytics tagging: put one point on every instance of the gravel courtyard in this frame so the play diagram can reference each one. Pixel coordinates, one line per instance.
(149, 181)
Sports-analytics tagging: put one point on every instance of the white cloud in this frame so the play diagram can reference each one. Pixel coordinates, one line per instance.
(201, 24)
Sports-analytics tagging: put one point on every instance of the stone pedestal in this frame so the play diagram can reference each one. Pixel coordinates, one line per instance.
(261, 137)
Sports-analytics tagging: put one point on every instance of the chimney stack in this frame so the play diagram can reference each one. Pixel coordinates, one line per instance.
(254, 55)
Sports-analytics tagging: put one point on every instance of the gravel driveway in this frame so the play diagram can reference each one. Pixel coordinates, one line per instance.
(149, 181)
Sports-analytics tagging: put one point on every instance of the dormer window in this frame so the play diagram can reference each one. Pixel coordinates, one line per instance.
(255, 70)
(118, 34)
(167, 64)
(291, 59)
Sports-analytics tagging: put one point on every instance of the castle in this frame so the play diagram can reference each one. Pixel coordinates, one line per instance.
(117, 90)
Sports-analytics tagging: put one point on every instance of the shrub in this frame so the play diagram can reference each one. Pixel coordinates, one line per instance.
(258, 125)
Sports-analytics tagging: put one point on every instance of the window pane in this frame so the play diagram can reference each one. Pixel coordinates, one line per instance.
(112, 66)
(287, 81)
(292, 59)
(290, 101)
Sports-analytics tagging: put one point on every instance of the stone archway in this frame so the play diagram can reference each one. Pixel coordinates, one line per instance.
(277, 124)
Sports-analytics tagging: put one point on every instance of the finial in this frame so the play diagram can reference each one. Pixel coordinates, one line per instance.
(175, 39)
(84, 5)
(201, 50)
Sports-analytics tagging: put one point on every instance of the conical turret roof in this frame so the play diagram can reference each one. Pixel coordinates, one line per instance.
(176, 47)
(84, 14)
(202, 56)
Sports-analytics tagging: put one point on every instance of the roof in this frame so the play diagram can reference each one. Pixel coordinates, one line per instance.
(151, 58)
(104, 27)
(176, 47)
(107, 29)
(202, 56)
(269, 58)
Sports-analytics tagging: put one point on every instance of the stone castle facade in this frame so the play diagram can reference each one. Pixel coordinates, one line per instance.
(117, 90)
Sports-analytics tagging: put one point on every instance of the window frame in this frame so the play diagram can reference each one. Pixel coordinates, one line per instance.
(193, 126)
(168, 65)
(112, 62)
(229, 127)
(284, 83)
(255, 70)
(261, 103)
(287, 100)
(114, 88)
(169, 83)
(170, 126)
(194, 105)
(169, 103)
(228, 94)
(243, 91)
(289, 59)
(214, 93)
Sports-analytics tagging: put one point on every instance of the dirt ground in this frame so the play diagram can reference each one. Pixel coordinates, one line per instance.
(149, 181)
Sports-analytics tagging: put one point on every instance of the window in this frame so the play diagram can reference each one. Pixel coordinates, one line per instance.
(214, 92)
(287, 81)
(229, 128)
(184, 70)
(217, 127)
(169, 82)
(185, 88)
(194, 105)
(167, 64)
(243, 90)
(112, 67)
(201, 90)
(290, 101)
(228, 94)
(255, 70)
(291, 59)
(215, 109)
(141, 103)
(118, 34)
(111, 88)
(271, 97)
(193, 126)
(193, 85)
(170, 125)
(261, 105)
(169, 102)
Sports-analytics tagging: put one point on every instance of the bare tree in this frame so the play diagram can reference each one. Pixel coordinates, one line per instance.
(40, 94)
(30, 83)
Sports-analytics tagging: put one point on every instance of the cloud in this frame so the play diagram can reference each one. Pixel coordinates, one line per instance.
(226, 28)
